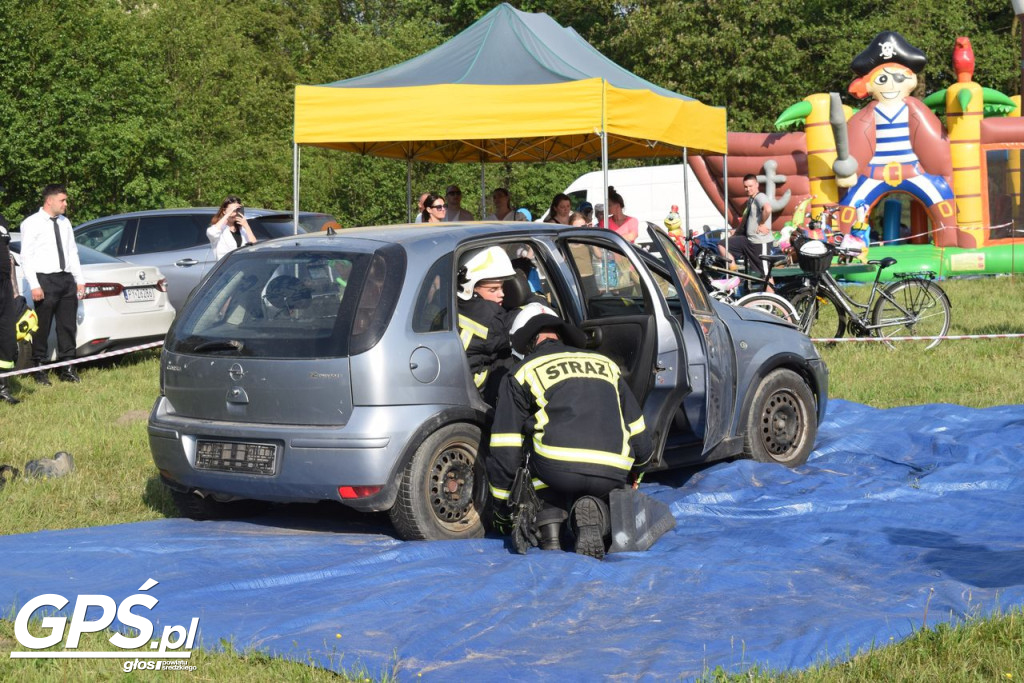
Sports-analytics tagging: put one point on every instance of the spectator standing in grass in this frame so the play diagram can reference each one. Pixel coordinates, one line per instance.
(229, 229)
(49, 258)
(561, 209)
(503, 210)
(627, 226)
(434, 209)
(419, 207)
(455, 212)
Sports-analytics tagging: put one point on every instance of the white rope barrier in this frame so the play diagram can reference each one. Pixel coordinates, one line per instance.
(84, 359)
(955, 337)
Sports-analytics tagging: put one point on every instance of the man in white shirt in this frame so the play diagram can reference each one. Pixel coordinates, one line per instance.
(50, 262)
(455, 213)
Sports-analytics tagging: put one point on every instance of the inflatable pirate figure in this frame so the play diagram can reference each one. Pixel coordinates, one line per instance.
(895, 143)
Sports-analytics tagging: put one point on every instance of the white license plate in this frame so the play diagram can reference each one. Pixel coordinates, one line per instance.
(136, 294)
(231, 456)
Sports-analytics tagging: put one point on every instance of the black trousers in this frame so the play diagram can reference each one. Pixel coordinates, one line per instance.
(8, 338)
(741, 246)
(59, 306)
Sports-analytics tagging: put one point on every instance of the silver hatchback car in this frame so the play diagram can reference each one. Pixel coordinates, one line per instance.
(328, 367)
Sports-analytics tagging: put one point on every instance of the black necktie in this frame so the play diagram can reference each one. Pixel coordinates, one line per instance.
(60, 247)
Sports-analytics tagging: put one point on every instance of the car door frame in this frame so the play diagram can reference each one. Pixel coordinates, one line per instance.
(719, 369)
(669, 380)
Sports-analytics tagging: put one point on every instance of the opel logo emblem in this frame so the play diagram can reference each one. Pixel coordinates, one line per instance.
(235, 372)
(142, 275)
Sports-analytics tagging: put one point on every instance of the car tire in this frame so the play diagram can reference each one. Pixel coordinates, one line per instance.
(205, 507)
(783, 421)
(443, 489)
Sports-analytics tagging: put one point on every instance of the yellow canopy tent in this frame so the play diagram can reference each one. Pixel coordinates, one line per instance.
(513, 86)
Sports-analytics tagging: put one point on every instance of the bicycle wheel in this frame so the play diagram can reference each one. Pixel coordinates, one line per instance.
(770, 303)
(912, 308)
(821, 316)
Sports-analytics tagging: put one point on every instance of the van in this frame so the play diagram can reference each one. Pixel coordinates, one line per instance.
(649, 193)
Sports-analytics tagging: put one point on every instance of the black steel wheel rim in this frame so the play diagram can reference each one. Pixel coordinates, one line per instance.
(451, 484)
(780, 423)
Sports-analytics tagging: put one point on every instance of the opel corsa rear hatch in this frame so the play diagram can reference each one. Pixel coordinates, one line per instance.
(268, 336)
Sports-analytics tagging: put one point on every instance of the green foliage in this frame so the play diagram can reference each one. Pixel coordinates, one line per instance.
(137, 104)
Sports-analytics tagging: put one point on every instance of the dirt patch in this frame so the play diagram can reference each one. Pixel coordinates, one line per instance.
(132, 416)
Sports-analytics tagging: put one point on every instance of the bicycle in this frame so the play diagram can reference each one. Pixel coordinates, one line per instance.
(725, 288)
(911, 306)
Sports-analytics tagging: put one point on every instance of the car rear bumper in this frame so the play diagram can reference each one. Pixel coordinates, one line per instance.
(311, 462)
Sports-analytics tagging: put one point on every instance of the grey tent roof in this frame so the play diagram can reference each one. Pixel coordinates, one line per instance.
(508, 47)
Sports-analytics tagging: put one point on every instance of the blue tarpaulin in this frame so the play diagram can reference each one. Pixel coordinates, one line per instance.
(900, 518)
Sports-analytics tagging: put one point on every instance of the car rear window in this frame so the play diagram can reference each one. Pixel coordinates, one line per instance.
(282, 225)
(292, 304)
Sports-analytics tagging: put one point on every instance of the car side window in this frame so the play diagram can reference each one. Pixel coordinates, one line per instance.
(608, 281)
(105, 237)
(434, 298)
(168, 233)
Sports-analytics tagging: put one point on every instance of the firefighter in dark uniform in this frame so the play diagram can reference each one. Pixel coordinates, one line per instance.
(8, 340)
(483, 323)
(578, 419)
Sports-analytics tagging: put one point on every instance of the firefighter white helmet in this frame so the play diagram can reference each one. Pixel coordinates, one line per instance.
(491, 263)
(526, 313)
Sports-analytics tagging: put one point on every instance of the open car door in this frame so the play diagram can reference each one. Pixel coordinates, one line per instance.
(625, 318)
(694, 306)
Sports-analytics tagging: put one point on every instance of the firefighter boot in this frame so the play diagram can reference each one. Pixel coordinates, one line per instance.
(589, 521)
(5, 393)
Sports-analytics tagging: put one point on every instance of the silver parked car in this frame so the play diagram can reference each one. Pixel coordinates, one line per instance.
(174, 240)
(329, 367)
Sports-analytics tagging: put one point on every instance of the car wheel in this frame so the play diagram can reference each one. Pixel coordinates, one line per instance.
(194, 506)
(782, 422)
(443, 488)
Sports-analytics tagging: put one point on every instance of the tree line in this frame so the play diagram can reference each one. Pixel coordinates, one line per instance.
(143, 104)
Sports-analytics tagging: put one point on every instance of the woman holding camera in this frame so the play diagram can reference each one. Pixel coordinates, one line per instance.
(229, 230)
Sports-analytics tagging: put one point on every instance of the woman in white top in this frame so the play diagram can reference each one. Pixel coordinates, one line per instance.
(229, 230)
(503, 210)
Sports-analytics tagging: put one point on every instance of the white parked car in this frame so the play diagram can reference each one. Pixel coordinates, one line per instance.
(124, 304)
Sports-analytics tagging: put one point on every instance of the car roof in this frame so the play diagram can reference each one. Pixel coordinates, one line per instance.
(200, 210)
(411, 235)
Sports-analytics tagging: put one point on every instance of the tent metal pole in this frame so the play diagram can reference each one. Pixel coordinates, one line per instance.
(604, 147)
(725, 184)
(295, 188)
(686, 189)
(409, 189)
(483, 191)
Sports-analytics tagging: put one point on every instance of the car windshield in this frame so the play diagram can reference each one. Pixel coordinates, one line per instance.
(298, 304)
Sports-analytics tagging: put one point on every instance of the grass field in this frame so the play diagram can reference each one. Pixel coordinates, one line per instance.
(102, 423)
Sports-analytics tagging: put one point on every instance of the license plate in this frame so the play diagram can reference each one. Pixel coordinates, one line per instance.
(137, 294)
(231, 456)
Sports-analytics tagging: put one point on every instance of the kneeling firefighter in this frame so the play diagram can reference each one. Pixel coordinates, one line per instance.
(483, 323)
(567, 429)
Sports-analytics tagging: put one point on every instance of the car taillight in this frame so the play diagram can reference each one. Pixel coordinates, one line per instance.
(161, 285)
(99, 290)
(348, 492)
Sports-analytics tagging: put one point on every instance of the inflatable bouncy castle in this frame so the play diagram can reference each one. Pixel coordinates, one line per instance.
(937, 180)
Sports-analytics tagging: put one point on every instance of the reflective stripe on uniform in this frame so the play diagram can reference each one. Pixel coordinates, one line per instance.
(503, 494)
(506, 440)
(469, 328)
(638, 426)
(581, 455)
